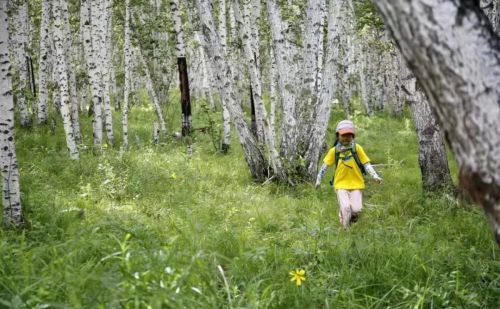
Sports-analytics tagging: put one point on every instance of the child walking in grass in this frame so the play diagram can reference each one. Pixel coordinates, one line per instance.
(351, 164)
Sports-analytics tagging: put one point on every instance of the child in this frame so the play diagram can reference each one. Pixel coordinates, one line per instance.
(351, 162)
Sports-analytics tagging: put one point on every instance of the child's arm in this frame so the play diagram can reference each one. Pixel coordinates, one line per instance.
(369, 168)
(321, 173)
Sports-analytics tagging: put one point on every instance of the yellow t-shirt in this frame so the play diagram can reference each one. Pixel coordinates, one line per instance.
(348, 175)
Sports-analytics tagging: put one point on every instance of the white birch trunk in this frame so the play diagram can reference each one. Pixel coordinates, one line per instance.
(107, 67)
(254, 26)
(94, 67)
(263, 132)
(463, 89)
(19, 29)
(12, 210)
(313, 43)
(222, 25)
(61, 69)
(43, 65)
(70, 69)
(127, 65)
(253, 153)
(152, 92)
(286, 85)
(337, 12)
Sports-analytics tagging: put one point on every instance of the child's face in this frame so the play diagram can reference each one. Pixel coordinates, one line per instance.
(345, 138)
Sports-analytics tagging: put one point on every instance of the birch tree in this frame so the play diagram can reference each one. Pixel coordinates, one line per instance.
(152, 92)
(70, 69)
(43, 65)
(107, 59)
(19, 30)
(457, 60)
(264, 133)
(61, 69)
(182, 65)
(253, 154)
(12, 210)
(338, 14)
(127, 65)
(432, 151)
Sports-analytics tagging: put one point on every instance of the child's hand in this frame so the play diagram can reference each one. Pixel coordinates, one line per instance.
(317, 184)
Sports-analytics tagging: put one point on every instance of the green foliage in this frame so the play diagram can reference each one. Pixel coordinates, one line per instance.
(153, 228)
(367, 15)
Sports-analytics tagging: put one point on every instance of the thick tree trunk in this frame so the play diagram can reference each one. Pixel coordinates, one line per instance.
(93, 45)
(19, 30)
(12, 211)
(313, 43)
(264, 134)
(457, 60)
(61, 69)
(432, 151)
(43, 65)
(337, 12)
(127, 65)
(253, 154)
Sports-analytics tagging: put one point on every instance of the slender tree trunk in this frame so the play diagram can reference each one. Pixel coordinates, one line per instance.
(463, 90)
(128, 61)
(253, 153)
(152, 92)
(286, 85)
(106, 77)
(19, 30)
(94, 67)
(70, 69)
(222, 25)
(182, 65)
(43, 65)
(61, 68)
(12, 210)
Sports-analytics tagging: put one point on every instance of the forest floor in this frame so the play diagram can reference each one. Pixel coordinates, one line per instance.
(154, 228)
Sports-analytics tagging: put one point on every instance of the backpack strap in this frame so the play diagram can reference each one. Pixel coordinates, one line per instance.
(356, 158)
(354, 155)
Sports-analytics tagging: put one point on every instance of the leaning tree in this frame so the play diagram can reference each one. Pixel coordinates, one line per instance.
(455, 54)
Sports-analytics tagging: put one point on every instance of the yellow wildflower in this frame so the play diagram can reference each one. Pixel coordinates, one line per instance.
(298, 276)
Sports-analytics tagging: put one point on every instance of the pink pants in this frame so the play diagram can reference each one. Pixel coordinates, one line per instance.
(350, 203)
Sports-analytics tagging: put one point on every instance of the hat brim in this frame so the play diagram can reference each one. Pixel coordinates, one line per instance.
(346, 131)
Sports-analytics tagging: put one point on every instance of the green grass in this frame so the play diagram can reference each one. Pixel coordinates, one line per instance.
(150, 228)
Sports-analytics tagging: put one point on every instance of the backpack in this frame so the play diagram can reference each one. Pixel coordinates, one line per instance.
(338, 150)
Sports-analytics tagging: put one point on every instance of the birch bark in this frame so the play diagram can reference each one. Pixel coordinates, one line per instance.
(457, 60)
(253, 153)
(12, 209)
(61, 69)
(127, 65)
(19, 30)
(182, 65)
(152, 92)
(43, 65)
(337, 11)
(286, 85)
(264, 133)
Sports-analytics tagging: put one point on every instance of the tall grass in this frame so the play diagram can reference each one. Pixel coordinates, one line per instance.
(153, 228)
